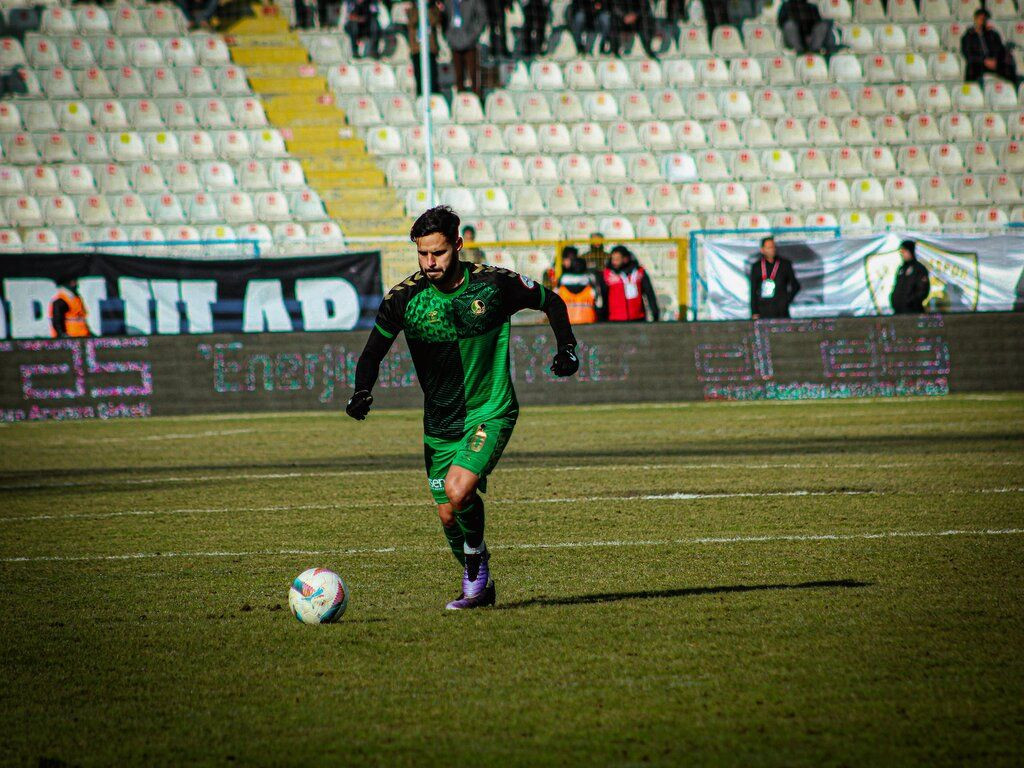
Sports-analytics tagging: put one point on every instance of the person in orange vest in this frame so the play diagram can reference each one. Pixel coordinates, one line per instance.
(578, 288)
(67, 312)
(628, 293)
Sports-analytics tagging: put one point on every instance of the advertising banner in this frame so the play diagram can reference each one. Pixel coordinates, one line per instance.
(131, 296)
(855, 275)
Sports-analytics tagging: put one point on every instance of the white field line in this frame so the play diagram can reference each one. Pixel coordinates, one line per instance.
(521, 501)
(169, 436)
(524, 546)
(567, 468)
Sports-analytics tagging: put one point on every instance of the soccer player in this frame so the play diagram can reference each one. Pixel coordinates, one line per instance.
(456, 321)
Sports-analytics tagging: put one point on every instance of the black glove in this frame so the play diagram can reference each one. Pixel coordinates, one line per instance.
(565, 363)
(359, 404)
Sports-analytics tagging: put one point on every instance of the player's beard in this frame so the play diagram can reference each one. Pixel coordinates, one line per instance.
(448, 275)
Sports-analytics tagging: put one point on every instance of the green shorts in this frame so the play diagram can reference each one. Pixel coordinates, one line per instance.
(478, 451)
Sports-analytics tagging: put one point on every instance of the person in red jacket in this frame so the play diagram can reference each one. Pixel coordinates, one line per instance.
(627, 293)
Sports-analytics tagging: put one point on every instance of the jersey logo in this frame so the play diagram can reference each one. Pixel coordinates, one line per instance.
(477, 307)
(432, 316)
(527, 282)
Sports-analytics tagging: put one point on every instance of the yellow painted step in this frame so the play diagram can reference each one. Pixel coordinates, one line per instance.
(364, 197)
(290, 39)
(303, 109)
(376, 228)
(248, 57)
(327, 147)
(368, 178)
(262, 85)
(337, 132)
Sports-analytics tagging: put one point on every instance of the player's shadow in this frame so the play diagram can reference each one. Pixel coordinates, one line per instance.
(650, 594)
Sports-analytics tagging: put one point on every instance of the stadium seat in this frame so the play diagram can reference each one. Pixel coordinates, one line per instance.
(148, 178)
(970, 190)
(779, 164)
(845, 68)
(466, 109)
(858, 39)
(527, 201)
(143, 115)
(890, 129)
(834, 193)
(546, 76)
(880, 161)
(534, 108)
(923, 129)
(472, 172)
(924, 38)
(58, 83)
(711, 166)
(868, 10)
(732, 196)
(130, 209)
(306, 205)
(800, 195)
(93, 83)
(823, 132)
(790, 132)
(610, 169)
(956, 127)
(680, 74)
(901, 192)
(698, 196)
(812, 69)
(781, 72)
(855, 131)
(38, 117)
(936, 10)
(724, 135)
(647, 74)
(167, 209)
(900, 99)
(237, 207)
(768, 104)
(213, 51)
(990, 126)
(613, 75)
(735, 104)
(379, 77)
(111, 179)
(980, 159)
(890, 38)
(128, 82)
(767, 197)
(201, 208)
(813, 164)
(935, 191)
(553, 138)
(713, 73)
(753, 221)
(42, 53)
(643, 169)
(1004, 190)
(622, 137)
(693, 42)
(651, 226)
(562, 201)
(869, 101)
(630, 199)
(913, 161)
(679, 168)
(541, 169)
(746, 72)
(665, 199)
(760, 39)
(757, 132)
(568, 108)
(684, 224)
(703, 106)
(575, 168)
(444, 172)
(95, 211)
(76, 180)
(589, 138)
(1012, 158)
(879, 69)
(217, 176)
(266, 143)
(994, 218)
(726, 42)
(945, 66)
(42, 180)
(655, 135)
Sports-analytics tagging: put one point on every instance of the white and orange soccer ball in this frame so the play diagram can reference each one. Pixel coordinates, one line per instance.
(318, 596)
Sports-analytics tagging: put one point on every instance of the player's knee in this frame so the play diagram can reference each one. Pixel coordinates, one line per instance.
(459, 493)
(447, 514)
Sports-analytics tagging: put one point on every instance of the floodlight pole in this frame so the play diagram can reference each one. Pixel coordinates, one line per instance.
(426, 87)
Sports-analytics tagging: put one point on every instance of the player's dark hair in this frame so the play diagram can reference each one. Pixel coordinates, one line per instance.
(441, 219)
(766, 239)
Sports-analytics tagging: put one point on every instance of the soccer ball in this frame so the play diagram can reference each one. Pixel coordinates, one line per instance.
(318, 596)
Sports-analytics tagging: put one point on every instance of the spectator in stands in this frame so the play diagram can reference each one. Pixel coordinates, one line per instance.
(496, 14)
(470, 252)
(536, 20)
(596, 256)
(361, 23)
(413, 29)
(326, 11)
(578, 287)
(804, 30)
(985, 53)
(67, 312)
(773, 284)
(912, 286)
(716, 13)
(633, 16)
(199, 12)
(627, 293)
(589, 19)
(465, 25)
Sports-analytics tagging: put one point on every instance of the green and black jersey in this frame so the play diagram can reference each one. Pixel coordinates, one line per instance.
(459, 343)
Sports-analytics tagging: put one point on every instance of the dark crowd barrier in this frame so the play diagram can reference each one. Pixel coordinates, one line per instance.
(134, 376)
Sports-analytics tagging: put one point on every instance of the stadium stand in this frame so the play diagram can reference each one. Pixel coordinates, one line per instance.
(131, 127)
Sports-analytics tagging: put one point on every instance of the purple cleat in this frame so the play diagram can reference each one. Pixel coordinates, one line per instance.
(477, 584)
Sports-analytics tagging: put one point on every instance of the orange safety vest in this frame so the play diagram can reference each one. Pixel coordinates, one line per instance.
(74, 318)
(580, 305)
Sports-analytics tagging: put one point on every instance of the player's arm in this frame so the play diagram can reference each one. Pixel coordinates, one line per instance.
(381, 337)
(521, 292)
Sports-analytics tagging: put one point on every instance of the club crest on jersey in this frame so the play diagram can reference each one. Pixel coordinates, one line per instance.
(528, 282)
(477, 307)
(432, 316)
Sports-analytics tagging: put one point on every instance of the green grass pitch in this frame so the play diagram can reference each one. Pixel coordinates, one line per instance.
(697, 584)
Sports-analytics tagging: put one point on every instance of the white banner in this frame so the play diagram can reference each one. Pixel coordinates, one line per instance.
(855, 275)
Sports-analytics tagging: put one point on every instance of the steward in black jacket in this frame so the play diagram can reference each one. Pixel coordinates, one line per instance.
(911, 286)
(773, 284)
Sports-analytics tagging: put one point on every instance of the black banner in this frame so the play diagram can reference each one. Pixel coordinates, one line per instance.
(133, 376)
(126, 295)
